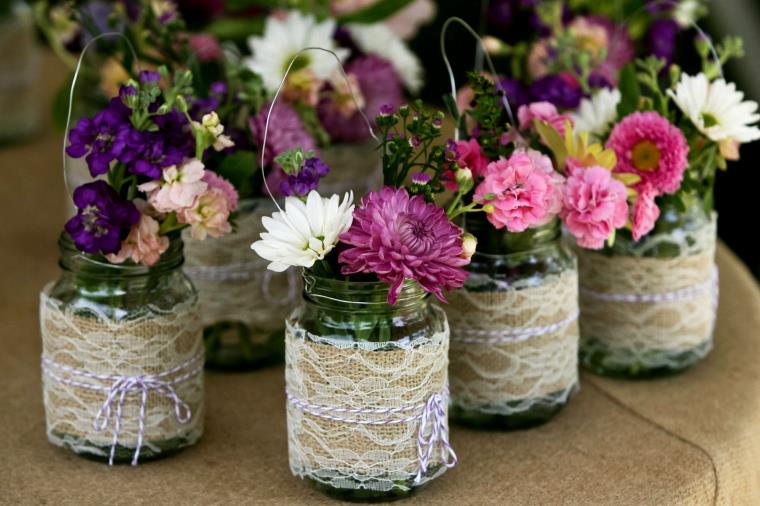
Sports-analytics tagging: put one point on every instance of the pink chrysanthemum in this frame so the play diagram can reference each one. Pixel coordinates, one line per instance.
(647, 144)
(528, 190)
(398, 237)
(378, 85)
(214, 180)
(595, 205)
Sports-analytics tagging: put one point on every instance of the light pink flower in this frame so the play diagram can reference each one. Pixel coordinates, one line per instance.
(469, 155)
(178, 187)
(644, 213)
(143, 244)
(647, 144)
(214, 180)
(544, 111)
(595, 204)
(209, 216)
(528, 191)
(206, 47)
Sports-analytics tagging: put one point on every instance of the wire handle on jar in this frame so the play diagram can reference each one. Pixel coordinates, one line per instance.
(72, 89)
(277, 94)
(452, 79)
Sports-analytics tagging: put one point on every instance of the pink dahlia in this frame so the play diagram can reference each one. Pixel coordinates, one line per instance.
(214, 180)
(644, 213)
(398, 237)
(286, 131)
(544, 111)
(528, 191)
(647, 144)
(595, 204)
(379, 85)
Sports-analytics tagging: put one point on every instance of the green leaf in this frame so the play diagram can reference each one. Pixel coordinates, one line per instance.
(553, 141)
(630, 91)
(237, 29)
(375, 12)
(239, 168)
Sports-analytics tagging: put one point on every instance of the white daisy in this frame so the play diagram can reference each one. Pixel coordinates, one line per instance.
(305, 232)
(596, 114)
(380, 40)
(283, 38)
(717, 109)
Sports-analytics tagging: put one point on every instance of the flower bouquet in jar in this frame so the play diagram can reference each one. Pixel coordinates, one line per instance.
(122, 349)
(366, 350)
(649, 300)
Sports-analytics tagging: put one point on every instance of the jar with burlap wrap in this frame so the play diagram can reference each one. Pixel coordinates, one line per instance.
(514, 329)
(366, 385)
(243, 305)
(648, 307)
(122, 357)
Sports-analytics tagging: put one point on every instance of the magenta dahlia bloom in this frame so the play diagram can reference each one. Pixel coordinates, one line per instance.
(647, 144)
(398, 237)
(379, 86)
(286, 131)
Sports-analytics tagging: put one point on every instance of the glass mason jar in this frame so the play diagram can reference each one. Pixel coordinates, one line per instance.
(514, 329)
(18, 71)
(243, 305)
(360, 375)
(648, 306)
(122, 356)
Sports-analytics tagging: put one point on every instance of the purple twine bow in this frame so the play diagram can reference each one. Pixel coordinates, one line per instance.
(142, 384)
(435, 413)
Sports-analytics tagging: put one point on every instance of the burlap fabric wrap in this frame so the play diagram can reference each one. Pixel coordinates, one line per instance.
(353, 376)
(514, 348)
(679, 315)
(233, 282)
(149, 344)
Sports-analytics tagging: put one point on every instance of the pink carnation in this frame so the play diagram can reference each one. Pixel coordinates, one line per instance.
(398, 237)
(544, 111)
(214, 180)
(644, 213)
(528, 191)
(647, 144)
(143, 244)
(595, 205)
(209, 216)
(470, 155)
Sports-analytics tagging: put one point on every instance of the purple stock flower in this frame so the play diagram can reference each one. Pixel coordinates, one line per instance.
(102, 138)
(557, 90)
(380, 86)
(515, 91)
(149, 76)
(306, 180)
(661, 39)
(103, 219)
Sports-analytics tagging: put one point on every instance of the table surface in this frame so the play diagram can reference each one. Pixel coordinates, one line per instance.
(689, 439)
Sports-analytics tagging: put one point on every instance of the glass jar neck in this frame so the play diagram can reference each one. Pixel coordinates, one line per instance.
(98, 268)
(361, 297)
(492, 241)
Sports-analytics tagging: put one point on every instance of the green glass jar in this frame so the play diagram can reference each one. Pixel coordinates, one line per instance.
(243, 305)
(514, 332)
(360, 374)
(122, 356)
(648, 306)
(19, 69)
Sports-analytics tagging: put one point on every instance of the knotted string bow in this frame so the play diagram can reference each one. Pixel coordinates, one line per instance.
(434, 413)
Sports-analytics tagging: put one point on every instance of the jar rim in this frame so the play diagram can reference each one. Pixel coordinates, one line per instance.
(317, 286)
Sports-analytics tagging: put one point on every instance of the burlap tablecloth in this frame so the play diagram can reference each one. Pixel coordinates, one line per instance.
(691, 439)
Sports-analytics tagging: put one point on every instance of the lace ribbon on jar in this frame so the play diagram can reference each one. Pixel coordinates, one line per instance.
(515, 346)
(135, 383)
(234, 284)
(634, 307)
(367, 415)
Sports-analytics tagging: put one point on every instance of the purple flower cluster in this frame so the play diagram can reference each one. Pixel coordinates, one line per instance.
(110, 136)
(103, 219)
(285, 131)
(306, 180)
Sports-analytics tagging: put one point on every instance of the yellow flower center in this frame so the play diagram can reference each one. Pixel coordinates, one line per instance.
(646, 156)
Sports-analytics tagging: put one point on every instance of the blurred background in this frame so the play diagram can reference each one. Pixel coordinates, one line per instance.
(31, 30)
